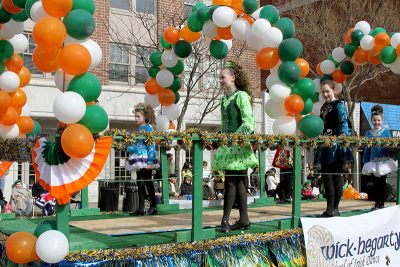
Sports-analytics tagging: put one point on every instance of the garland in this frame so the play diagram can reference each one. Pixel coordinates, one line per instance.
(17, 149)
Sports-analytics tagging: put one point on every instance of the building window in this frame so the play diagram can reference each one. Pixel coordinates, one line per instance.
(119, 63)
(142, 61)
(28, 55)
(120, 4)
(145, 6)
(187, 8)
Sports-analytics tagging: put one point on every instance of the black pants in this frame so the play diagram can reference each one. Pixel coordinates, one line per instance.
(144, 181)
(333, 183)
(379, 192)
(235, 187)
(284, 188)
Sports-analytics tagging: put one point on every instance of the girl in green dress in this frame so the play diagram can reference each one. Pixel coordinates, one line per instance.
(236, 116)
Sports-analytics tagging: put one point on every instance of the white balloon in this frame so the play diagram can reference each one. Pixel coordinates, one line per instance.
(165, 78)
(285, 125)
(274, 109)
(338, 88)
(95, 52)
(363, 26)
(228, 43)
(37, 11)
(224, 16)
(152, 100)
(279, 92)
(272, 37)
(317, 83)
(20, 43)
(395, 66)
(256, 14)
(273, 79)
(328, 66)
(52, 246)
(70, 40)
(275, 69)
(367, 42)
(260, 26)
(62, 80)
(338, 54)
(252, 41)
(26, 110)
(8, 132)
(172, 112)
(395, 40)
(9, 81)
(321, 98)
(316, 110)
(239, 28)
(162, 123)
(69, 107)
(210, 29)
(11, 28)
(169, 59)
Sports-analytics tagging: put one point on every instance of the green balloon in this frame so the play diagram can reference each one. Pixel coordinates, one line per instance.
(198, 6)
(153, 70)
(377, 31)
(28, 6)
(305, 88)
(203, 13)
(4, 15)
(250, 6)
(95, 119)
(22, 55)
(346, 67)
(155, 58)
(218, 49)
(87, 5)
(20, 17)
(164, 43)
(356, 36)
(333, 60)
(79, 24)
(6, 50)
(289, 72)
(182, 49)
(388, 55)
(194, 23)
(311, 126)
(290, 49)
(87, 85)
(286, 26)
(270, 13)
(19, 3)
(325, 78)
(308, 105)
(177, 97)
(315, 97)
(391, 34)
(349, 50)
(176, 85)
(45, 226)
(178, 68)
(2, 67)
(212, 9)
(37, 130)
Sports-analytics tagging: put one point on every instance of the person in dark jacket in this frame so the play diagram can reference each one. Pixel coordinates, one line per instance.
(208, 193)
(187, 188)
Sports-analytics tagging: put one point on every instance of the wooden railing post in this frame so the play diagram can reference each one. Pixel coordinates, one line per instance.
(263, 195)
(297, 185)
(197, 202)
(164, 174)
(62, 219)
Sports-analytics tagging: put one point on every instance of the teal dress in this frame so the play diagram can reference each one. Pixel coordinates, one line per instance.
(237, 116)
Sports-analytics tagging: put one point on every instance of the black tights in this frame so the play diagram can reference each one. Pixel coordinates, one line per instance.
(235, 186)
(143, 181)
(379, 186)
(333, 183)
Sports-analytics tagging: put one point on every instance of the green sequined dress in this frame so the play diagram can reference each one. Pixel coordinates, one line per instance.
(237, 116)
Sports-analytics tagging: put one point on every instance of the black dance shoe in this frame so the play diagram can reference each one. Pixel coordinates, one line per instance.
(137, 213)
(326, 214)
(225, 227)
(152, 211)
(239, 225)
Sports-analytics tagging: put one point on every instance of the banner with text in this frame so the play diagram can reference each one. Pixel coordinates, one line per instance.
(370, 239)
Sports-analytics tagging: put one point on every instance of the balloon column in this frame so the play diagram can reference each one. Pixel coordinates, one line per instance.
(263, 31)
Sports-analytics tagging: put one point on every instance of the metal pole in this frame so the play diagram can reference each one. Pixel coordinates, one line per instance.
(296, 204)
(164, 174)
(197, 202)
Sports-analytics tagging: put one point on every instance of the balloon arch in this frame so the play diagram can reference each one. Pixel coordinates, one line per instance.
(294, 99)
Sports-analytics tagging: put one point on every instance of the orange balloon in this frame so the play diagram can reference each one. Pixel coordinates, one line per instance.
(24, 76)
(19, 110)
(20, 247)
(57, 8)
(49, 32)
(304, 67)
(25, 124)
(75, 59)
(91, 103)
(189, 36)
(319, 71)
(338, 76)
(5, 100)
(10, 117)
(347, 39)
(222, 2)
(360, 56)
(225, 33)
(18, 98)
(267, 58)
(294, 104)
(373, 57)
(152, 86)
(15, 63)
(381, 40)
(46, 60)
(9, 6)
(171, 35)
(398, 50)
(237, 5)
(166, 97)
(77, 141)
(171, 125)
(249, 19)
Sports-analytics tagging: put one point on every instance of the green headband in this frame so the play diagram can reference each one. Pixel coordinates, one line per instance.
(229, 64)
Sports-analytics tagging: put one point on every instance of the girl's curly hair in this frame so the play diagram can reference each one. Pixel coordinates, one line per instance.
(241, 80)
(148, 113)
